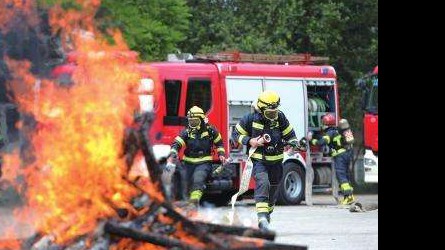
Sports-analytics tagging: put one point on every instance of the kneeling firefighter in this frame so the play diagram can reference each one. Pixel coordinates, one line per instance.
(198, 138)
(339, 141)
(266, 122)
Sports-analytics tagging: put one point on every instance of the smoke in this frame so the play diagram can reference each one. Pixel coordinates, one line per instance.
(25, 35)
(241, 216)
(22, 39)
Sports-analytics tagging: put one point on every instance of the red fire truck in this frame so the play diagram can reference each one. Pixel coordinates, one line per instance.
(225, 85)
(369, 85)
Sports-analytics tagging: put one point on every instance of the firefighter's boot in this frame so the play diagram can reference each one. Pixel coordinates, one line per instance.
(348, 200)
(263, 221)
(262, 209)
(195, 196)
(271, 207)
(347, 189)
(192, 204)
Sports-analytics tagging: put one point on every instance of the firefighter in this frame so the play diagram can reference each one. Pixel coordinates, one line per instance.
(267, 158)
(339, 147)
(198, 138)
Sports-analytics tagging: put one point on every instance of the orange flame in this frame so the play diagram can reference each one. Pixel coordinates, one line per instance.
(77, 169)
(129, 244)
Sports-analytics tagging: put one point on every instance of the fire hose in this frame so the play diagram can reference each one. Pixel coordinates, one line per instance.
(247, 172)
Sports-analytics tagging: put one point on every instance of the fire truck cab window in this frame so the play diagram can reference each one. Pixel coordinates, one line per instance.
(199, 94)
(172, 96)
(372, 103)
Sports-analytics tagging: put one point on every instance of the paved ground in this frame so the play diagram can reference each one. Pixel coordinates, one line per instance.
(326, 227)
(322, 226)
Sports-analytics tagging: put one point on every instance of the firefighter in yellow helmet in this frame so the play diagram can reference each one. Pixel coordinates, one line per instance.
(198, 138)
(267, 158)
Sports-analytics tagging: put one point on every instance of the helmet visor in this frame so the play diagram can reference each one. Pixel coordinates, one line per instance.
(271, 114)
(194, 122)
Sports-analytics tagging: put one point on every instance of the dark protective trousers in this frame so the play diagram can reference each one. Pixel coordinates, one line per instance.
(182, 181)
(197, 175)
(342, 162)
(267, 177)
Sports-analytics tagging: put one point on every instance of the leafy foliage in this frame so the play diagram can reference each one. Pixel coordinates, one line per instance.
(153, 28)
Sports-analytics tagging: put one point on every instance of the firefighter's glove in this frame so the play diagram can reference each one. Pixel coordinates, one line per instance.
(309, 135)
(256, 142)
(302, 144)
(173, 155)
(293, 144)
(222, 159)
(169, 166)
(218, 170)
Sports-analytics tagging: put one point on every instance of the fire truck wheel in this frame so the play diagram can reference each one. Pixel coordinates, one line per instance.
(291, 189)
(220, 199)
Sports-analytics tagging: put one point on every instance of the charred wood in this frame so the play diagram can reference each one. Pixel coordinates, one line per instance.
(154, 238)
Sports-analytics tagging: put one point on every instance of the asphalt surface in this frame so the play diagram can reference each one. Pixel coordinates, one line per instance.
(321, 226)
(324, 226)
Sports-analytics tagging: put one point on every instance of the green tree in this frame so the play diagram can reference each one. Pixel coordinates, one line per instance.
(153, 28)
(266, 26)
(356, 55)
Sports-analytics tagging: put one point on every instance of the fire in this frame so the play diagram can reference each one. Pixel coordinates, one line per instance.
(128, 244)
(75, 177)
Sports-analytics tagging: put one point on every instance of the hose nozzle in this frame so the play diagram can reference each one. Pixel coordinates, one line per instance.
(267, 138)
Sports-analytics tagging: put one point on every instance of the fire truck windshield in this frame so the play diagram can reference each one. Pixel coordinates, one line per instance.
(371, 94)
(373, 98)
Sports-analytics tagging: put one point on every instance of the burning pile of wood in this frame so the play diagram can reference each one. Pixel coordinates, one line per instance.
(152, 221)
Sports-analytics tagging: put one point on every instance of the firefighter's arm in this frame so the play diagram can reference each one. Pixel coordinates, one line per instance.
(178, 143)
(217, 140)
(323, 140)
(240, 133)
(288, 132)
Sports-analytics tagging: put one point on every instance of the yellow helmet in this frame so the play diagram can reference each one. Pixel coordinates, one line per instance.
(196, 111)
(268, 99)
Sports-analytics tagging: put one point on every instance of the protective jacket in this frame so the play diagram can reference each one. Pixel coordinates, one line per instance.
(254, 125)
(334, 140)
(199, 144)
